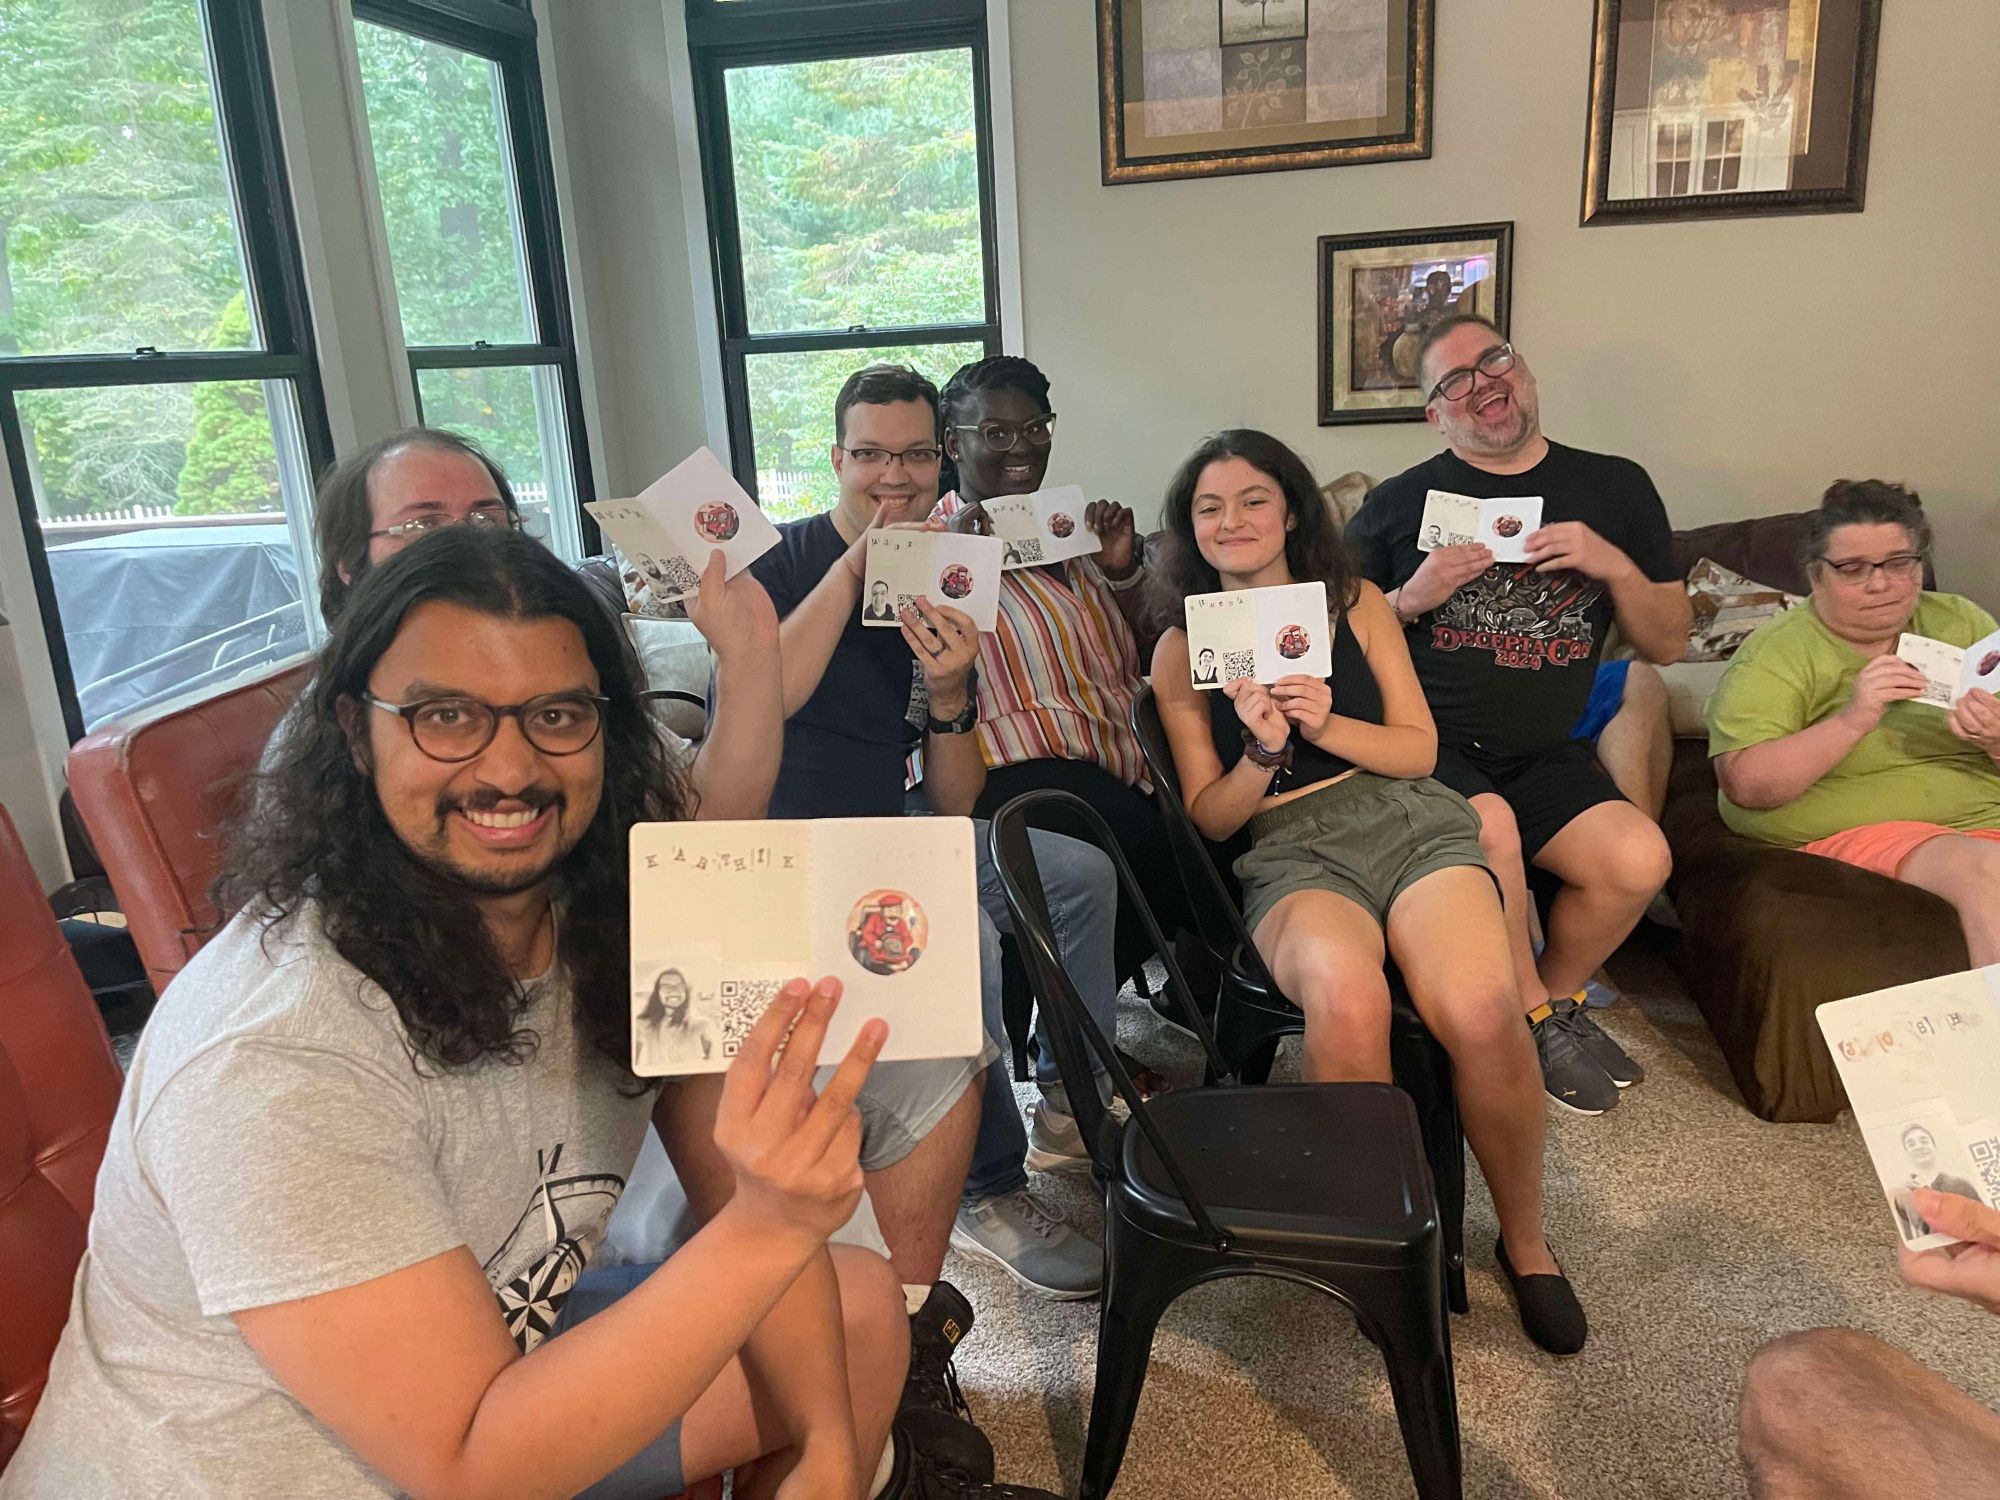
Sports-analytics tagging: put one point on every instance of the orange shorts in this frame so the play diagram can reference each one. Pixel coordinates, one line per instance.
(1882, 847)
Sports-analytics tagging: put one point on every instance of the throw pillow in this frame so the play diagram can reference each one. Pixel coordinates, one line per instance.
(1727, 607)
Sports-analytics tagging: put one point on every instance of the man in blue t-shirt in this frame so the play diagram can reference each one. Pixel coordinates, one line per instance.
(1507, 653)
(860, 700)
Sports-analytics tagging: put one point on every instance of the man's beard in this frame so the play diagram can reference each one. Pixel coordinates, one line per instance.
(478, 883)
(1477, 439)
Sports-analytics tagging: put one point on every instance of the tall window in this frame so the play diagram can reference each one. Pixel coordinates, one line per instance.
(848, 171)
(461, 150)
(1722, 156)
(159, 399)
(1674, 157)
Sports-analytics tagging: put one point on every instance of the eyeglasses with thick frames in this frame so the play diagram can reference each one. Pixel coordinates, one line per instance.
(1457, 384)
(455, 729)
(1002, 436)
(1902, 567)
(923, 456)
(497, 516)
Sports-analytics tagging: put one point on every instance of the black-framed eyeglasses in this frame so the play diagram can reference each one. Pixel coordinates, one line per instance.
(455, 729)
(1902, 567)
(1002, 436)
(436, 520)
(1457, 384)
(924, 456)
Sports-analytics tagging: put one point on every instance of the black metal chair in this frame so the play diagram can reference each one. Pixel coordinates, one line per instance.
(1252, 1014)
(1321, 1184)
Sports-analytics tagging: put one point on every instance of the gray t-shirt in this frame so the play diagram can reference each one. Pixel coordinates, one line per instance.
(274, 1141)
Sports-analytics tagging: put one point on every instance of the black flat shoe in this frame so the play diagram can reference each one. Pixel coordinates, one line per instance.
(1550, 1313)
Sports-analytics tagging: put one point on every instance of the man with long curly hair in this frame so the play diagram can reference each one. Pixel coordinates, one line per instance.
(375, 1129)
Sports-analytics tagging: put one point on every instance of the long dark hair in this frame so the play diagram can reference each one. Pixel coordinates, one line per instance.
(343, 516)
(1314, 548)
(314, 830)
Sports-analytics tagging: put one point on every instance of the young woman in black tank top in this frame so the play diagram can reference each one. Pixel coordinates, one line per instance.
(1356, 852)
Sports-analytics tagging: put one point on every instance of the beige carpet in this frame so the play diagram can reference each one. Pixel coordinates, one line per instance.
(1693, 1232)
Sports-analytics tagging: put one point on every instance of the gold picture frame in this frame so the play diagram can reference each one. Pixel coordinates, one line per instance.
(1209, 88)
(1727, 108)
(1379, 292)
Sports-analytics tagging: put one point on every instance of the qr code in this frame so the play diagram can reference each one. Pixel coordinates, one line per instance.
(905, 601)
(1986, 1160)
(1237, 664)
(679, 576)
(741, 1002)
(1027, 550)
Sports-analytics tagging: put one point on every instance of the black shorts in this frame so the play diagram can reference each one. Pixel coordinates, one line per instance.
(1547, 789)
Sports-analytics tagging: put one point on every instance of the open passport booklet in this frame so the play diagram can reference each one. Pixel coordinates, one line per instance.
(724, 913)
(1921, 1064)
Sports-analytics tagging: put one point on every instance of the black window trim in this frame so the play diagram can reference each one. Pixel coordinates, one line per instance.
(253, 158)
(505, 34)
(726, 34)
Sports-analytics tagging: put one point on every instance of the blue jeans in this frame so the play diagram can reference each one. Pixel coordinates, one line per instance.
(656, 1469)
(1082, 892)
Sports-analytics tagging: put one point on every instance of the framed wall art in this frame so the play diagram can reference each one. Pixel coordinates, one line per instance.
(1204, 88)
(1378, 293)
(1722, 108)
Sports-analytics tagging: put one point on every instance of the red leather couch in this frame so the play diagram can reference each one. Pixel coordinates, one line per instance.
(1769, 934)
(58, 1090)
(153, 792)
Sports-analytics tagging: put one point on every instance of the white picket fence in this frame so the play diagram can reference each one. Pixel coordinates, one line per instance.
(776, 487)
(138, 515)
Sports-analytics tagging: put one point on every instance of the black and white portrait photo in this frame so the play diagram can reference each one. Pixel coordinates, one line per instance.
(671, 1030)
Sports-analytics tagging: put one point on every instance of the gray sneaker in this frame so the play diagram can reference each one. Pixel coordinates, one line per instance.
(1573, 1079)
(1031, 1245)
(1607, 1054)
(1055, 1144)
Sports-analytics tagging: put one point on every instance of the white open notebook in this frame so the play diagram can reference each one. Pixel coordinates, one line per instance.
(724, 913)
(1921, 1065)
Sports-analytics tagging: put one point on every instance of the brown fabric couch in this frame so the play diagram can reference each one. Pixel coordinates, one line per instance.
(1770, 934)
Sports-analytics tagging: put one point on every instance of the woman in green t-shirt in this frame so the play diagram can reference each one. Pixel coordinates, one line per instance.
(1822, 737)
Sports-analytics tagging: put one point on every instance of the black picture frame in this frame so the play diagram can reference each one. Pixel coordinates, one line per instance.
(1840, 77)
(1356, 338)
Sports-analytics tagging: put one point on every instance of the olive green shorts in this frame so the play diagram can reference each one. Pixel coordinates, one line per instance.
(1367, 837)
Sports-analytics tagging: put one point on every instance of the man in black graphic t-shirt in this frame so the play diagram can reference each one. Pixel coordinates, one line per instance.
(1507, 652)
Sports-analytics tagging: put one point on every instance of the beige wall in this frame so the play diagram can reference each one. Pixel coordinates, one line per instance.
(612, 67)
(1746, 363)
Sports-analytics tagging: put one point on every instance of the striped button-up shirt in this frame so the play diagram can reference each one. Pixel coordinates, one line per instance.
(1058, 674)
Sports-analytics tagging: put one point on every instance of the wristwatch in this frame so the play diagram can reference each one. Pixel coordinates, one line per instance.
(965, 723)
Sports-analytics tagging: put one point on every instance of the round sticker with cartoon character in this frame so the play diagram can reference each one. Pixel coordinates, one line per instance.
(717, 521)
(1060, 524)
(887, 932)
(955, 582)
(1989, 663)
(1293, 642)
(1507, 526)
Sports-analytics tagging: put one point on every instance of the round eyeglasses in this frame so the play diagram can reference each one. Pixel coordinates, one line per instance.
(1002, 436)
(454, 729)
(496, 516)
(1457, 384)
